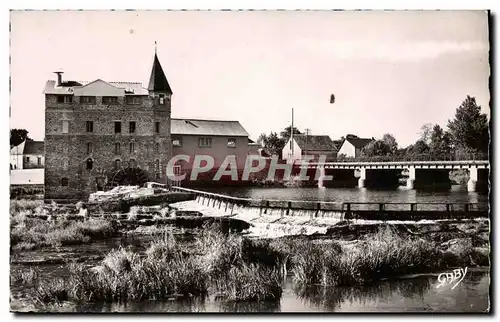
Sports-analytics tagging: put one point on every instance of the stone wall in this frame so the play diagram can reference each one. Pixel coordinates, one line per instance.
(66, 154)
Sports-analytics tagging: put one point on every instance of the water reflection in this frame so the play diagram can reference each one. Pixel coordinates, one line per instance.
(417, 294)
(335, 298)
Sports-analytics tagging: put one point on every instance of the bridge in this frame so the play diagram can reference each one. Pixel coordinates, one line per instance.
(420, 173)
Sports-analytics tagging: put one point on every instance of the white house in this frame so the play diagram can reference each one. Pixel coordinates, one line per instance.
(351, 147)
(27, 155)
(315, 145)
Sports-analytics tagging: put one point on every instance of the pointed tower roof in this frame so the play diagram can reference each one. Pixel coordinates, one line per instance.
(157, 81)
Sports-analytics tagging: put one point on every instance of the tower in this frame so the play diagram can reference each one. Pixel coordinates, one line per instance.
(160, 93)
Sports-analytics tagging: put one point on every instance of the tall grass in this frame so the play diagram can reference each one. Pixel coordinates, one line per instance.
(379, 255)
(29, 233)
(240, 269)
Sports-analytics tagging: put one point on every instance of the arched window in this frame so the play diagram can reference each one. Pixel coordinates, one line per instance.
(117, 164)
(132, 163)
(89, 147)
(132, 147)
(117, 148)
(64, 182)
(90, 164)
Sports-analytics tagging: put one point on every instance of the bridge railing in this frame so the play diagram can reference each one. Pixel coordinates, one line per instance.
(419, 157)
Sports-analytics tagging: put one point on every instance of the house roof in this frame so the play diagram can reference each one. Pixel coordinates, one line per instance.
(158, 81)
(128, 88)
(358, 143)
(315, 142)
(338, 143)
(18, 149)
(34, 147)
(207, 127)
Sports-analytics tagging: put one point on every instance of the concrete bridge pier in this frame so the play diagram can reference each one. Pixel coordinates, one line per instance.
(410, 183)
(362, 178)
(478, 179)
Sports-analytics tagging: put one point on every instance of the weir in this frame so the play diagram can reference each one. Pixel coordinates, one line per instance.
(340, 210)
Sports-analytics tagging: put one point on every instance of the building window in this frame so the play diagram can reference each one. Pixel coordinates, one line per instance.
(89, 148)
(109, 100)
(64, 99)
(132, 100)
(162, 99)
(118, 127)
(64, 182)
(90, 126)
(90, 164)
(177, 141)
(117, 148)
(204, 142)
(131, 127)
(231, 143)
(157, 147)
(39, 160)
(27, 159)
(65, 165)
(132, 163)
(65, 126)
(117, 164)
(87, 99)
(132, 147)
(157, 127)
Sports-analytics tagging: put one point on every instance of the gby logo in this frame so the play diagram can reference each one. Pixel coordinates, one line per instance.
(450, 277)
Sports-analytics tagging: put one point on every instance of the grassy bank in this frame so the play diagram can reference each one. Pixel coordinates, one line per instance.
(217, 262)
(27, 232)
(236, 268)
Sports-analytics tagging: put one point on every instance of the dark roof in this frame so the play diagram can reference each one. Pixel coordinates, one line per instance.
(338, 143)
(315, 142)
(158, 81)
(358, 143)
(34, 147)
(206, 127)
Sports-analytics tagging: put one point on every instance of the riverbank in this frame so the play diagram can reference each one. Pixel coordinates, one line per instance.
(248, 264)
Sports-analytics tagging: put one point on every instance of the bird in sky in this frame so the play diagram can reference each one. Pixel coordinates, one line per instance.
(332, 99)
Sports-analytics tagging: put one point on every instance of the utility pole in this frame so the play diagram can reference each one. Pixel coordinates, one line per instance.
(291, 137)
(307, 134)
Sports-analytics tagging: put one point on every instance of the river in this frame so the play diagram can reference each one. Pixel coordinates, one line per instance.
(415, 293)
(456, 194)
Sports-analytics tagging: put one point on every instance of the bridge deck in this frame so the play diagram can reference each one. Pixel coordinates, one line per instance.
(481, 164)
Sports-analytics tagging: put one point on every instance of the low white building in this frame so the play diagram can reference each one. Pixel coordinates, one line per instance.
(314, 145)
(351, 147)
(27, 155)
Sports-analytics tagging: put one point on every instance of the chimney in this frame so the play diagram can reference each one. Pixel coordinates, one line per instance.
(59, 77)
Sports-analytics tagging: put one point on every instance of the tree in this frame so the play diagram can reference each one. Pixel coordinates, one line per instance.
(391, 142)
(287, 133)
(17, 136)
(469, 129)
(425, 133)
(419, 148)
(274, 144)
(376, 148)
(440, 142)
(262, 139)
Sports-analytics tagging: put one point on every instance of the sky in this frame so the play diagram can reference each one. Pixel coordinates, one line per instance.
(391, 72)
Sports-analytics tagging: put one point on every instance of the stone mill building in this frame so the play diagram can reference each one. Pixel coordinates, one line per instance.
(101, 134)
